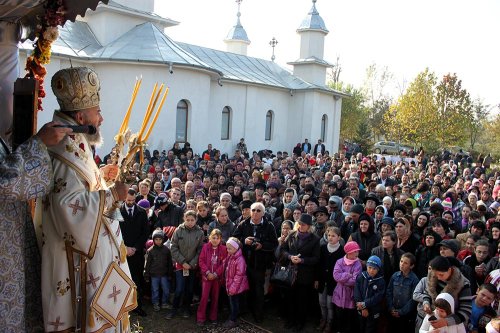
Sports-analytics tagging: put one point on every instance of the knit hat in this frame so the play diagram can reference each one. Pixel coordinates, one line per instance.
(158, 234)
(374, 261)
(358, 209)
(351, 247)
(447, 205)
(160, 201)
(245, 204)
(387, 220)
(144, 203)
(306, 219)
(169, 231)
(451, 244)
(400, 207)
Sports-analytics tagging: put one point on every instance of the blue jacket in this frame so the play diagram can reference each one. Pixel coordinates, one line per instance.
(399, 293)
(370, 291)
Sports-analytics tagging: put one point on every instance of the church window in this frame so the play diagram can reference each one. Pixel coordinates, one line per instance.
(269, 124)
(226, 123)
(324, 127)
(181, 121)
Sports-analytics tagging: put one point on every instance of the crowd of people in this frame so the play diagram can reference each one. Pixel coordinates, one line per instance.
(376, 245)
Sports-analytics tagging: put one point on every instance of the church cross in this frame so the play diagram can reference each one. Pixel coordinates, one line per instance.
(75, 207)
(56, 323)
(114, 293)
(92, 280)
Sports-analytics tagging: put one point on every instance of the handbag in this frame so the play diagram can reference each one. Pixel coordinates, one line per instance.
(284, 275)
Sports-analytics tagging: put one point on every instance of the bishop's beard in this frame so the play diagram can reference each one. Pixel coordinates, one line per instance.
(96, 139)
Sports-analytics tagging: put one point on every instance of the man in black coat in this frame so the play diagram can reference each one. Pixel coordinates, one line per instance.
(135, 230)
(306, 146)
(169, 214)
(319, 148)
(259, 240)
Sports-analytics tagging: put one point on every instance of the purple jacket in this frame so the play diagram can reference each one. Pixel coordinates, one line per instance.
(236, 274)
(343, 294)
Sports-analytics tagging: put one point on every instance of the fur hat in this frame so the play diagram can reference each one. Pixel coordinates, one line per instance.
(76, 88)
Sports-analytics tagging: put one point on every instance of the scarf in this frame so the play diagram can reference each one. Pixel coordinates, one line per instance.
(332, 248)
(349, 262)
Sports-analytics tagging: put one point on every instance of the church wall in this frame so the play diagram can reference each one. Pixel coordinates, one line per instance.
(311, 73)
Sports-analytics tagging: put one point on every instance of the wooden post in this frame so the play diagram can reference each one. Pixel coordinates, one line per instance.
(25, 110)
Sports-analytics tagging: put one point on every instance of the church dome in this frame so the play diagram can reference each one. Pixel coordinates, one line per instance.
(313, 21)
(237, 33)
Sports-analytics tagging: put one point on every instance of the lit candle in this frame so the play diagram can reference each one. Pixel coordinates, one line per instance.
(146, 137)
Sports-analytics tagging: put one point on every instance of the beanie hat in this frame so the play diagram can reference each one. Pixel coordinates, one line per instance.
(374, 261)
(158, 234)
(447, 205)
(451, 244)
(358, 209)
(351, 247)
(144, 203)
(388, 220)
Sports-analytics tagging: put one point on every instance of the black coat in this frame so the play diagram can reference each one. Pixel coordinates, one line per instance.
(309, 251)
(135, 230)
(266, 235)
(325, 267)
(171, 216)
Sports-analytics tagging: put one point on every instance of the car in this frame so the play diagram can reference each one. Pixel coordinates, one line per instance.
(389, 147)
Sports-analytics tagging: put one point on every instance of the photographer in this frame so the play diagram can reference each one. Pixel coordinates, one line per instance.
(259, 240)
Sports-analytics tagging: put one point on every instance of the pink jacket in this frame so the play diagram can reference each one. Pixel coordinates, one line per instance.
(343, 294)
(205, 260)
(236, 274)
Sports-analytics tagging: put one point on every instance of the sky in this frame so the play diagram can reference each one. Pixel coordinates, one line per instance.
(407, 36)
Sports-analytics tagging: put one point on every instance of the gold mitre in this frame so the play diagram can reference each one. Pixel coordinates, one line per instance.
(76, 88)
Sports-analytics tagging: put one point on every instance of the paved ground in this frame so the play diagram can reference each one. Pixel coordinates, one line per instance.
(155, 322)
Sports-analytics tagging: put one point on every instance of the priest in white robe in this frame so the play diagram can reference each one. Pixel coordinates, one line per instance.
(86, 282)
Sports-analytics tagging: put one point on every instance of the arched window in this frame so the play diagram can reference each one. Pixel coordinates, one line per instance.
(225, 123)
(269, 124)
(324, 127)
(181, 122)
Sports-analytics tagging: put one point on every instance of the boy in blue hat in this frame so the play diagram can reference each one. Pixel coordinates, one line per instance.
(369, 295)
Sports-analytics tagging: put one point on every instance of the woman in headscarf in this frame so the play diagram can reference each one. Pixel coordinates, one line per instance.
(407, 242)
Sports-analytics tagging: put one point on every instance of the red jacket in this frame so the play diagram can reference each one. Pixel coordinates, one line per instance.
(236, 274)
(207, 265)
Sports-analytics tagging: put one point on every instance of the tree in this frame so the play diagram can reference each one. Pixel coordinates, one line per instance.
(412, 117)
(476, 125)
(454, 111)
(377, 112)
(353, 110)
(363, 137)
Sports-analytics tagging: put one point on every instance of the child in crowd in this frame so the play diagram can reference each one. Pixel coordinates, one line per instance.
(236, 278)
(445, 306)
(369, 295)
(203, 218)
(187, 242)
(159, 270)
(399, 295)
(482, 311)
(211, 264)
(330, 253)
(345, 273)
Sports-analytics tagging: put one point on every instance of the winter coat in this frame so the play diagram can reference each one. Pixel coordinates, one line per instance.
(345, 275)
(325, 267)
(171, 216)
(424, 256)
(186, 245)
(399, 293)
(458, 286)
(309, 254)
(236, 277)
(226, 229)
(366, 242)
(212, 260)
(454, 328)
(158, 262)
(266, 235)
(387, 269)
(371, 291)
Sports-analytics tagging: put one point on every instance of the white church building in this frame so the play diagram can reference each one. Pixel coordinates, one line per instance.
(215, 96)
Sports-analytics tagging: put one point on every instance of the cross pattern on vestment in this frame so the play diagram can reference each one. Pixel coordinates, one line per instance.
(92, 280)
(114, 293)
(75, 207)
(98, 180)
(56, 323)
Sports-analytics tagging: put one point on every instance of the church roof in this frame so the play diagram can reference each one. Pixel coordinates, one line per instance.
(237, 33)
(146, 43)
(313, 21)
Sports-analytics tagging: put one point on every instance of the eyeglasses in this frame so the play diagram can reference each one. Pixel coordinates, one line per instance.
(256, 210)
